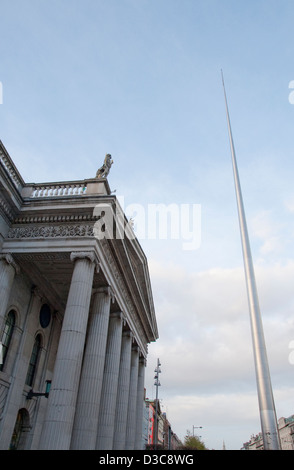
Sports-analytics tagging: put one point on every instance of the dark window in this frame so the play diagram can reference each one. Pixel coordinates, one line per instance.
(6, 336)
(21, 428)
(45, 315)
(33, 361)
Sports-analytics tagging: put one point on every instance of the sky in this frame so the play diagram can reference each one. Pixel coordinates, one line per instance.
(141, 80)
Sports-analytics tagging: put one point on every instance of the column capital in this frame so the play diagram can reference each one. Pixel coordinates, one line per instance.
(90, 255)
(128, 334)
(107, 290)
(7, 257)
(117, 314)
(143, 361)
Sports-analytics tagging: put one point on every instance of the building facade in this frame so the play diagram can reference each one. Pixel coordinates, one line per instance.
(76, 316)
(286, 431)
(166, 437)
(286, 434)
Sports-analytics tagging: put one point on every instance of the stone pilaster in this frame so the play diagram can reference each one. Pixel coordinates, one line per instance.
(140, 404)
(8, 269)
(59, 419)
(132, 404)
(18, 376)
(106, 418)
(121, 412)
(88, 402)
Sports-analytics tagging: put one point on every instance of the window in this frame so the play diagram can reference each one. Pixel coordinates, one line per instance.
(21, 428)
(7, 335)
(45, 316)
(33, 361)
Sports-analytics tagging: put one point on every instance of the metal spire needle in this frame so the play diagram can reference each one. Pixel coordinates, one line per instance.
(265, 396)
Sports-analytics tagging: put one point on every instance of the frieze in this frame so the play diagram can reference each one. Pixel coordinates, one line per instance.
(52, 231)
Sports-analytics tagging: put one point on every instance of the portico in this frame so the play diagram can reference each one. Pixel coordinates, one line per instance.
(98, 290)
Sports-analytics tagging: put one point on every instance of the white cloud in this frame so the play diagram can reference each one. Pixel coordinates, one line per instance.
(206, 351)
(266, 228)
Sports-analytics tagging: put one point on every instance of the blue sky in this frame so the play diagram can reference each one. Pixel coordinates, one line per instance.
(141, 79)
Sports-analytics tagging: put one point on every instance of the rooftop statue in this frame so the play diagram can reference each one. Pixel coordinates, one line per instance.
(103, 171)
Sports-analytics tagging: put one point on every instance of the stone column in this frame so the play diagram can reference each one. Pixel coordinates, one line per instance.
(140, 404)
(88, 402)
(110, 384)
(58, 423)
(132, 404)
(121, 412)
(8, 269)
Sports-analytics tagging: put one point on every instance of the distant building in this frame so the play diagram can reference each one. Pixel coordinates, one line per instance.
(166, 438)
(255, 443)
(286, 433)
(76, 316)
(170, 439)
(286, 430)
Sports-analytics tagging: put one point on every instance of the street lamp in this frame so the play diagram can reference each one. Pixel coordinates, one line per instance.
(157, 384)
(32, 394)
(196, 427)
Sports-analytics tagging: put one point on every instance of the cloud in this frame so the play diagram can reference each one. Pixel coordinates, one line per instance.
(205, 344)
(289, 204)
(268, 231)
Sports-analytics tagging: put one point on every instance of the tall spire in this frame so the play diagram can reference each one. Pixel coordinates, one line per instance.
(265, 396)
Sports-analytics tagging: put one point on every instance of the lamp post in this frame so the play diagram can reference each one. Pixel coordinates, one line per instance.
(157, 384)
(196, 427)
(32, 394)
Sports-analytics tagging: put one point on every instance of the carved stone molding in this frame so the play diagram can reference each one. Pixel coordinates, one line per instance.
(45, 256)
(60, 218)
(51, 231)
(7, 210)
(123, 290)
(7, 257)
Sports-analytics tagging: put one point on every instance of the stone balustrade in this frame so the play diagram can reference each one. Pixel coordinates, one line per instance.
(50, 190)
(61, 189)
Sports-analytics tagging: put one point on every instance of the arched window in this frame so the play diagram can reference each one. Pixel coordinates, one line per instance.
(33, 361)
(21, 428)
(6, 336)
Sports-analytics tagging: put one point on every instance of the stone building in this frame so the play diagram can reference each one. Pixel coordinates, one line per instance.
(286, 434)
(166, 437)
(76, 316)
(286, 431)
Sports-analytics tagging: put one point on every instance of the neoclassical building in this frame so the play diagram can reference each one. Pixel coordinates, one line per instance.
(76, 316)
